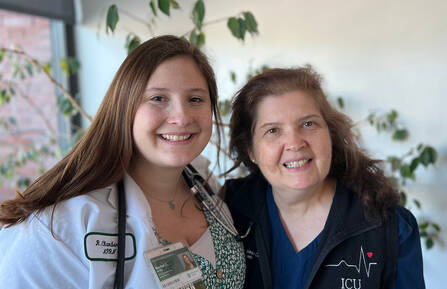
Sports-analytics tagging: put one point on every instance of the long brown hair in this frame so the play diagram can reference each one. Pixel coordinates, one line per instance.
(103, 154)
(349, 165)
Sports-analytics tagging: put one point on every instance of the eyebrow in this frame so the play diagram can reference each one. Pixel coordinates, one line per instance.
(299, 120)
(163, 89)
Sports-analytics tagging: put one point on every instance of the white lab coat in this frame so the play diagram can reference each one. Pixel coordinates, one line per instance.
(30, 257)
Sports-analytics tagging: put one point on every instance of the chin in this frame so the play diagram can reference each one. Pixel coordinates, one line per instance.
(178, 162)
(301, 186)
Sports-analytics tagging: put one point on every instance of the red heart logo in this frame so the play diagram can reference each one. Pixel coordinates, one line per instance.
(370, 254)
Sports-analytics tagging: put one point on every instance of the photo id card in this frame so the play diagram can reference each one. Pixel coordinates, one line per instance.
(174, 267)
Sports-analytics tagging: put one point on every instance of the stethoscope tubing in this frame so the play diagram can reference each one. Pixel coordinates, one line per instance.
(119, 275)
(196, 184)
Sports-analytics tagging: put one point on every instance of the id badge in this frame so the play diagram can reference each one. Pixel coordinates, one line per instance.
(174, 267)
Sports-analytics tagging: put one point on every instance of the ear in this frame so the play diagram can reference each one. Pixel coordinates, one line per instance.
(251, 155)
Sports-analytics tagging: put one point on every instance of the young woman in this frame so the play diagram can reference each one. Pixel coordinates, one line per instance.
(155, 119)
(322, 214)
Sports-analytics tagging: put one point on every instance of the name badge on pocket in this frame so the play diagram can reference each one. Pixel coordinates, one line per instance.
(174, 267)
(104, 246)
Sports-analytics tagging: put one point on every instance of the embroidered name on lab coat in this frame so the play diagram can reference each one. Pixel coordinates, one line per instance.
(104, 247)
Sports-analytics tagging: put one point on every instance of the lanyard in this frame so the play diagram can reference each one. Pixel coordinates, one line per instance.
(201, 190)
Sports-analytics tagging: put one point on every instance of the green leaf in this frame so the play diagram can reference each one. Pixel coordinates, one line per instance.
(201, 40)
(70, 65)
(428, 156)
(395, 163)
(12, 90)
(29, 68)
(112, 18)
(252, 25)
(405, 172)
(233, 76)
(196, 38)
(400, 134)
(403, 198)
(73, 64)
(174, 4)
(164, 6)
(392, 116)
(429, 243)
(417, 203)
(264, 68)
(132, 42)
(65, 106)
(64, 66)
(423, 234)
(193, 37)
(414, 164)
(153, 8)
(23, 183)
(5, 97)
(47, 67)
(234, 26)
(436, 226)
(340, 102)
(371, 118)
(12, 120)
(198, 13)
(2, 54)
(423, 226)
(242, 27)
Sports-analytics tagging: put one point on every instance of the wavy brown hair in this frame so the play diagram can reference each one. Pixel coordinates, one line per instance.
(350, 165)
(103, 154)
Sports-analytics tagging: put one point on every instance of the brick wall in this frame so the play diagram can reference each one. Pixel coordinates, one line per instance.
(32, 34)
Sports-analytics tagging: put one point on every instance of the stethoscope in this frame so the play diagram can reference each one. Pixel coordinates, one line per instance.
(203, 194)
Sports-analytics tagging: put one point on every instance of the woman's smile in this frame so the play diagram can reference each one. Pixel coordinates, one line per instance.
(291, 141)
(173, 124)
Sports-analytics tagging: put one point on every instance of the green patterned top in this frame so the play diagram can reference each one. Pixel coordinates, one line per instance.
(229, 272)
(230, 259)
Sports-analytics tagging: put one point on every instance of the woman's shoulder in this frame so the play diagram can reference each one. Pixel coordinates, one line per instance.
(407, 223)
(68, 221)
(79, 210)
(64, 225)
(52, 237)
(236, 188)
(405, 214)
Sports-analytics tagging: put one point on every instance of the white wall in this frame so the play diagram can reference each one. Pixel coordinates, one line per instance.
(376, 54)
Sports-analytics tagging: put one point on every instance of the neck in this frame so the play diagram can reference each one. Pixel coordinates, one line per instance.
(299, 203)
(156, 182)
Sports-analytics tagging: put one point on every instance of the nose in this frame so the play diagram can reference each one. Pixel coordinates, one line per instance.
(294, 141)
(179, 114)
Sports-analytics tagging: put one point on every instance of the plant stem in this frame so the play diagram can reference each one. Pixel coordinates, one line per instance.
(210, 23)
(38, 111)
(50, 77)
(138, 19)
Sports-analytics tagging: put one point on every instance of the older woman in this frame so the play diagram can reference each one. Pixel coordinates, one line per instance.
(319, 212)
